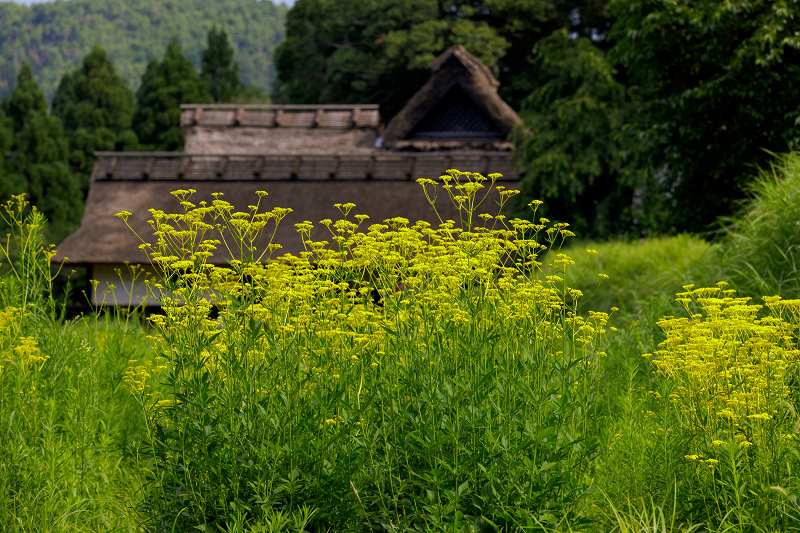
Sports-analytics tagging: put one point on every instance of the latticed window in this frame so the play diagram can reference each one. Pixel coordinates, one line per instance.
(455, 115)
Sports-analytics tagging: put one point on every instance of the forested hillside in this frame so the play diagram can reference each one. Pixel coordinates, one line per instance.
(56, 36)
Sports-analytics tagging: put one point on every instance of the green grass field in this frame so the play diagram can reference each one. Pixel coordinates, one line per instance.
(500, 383)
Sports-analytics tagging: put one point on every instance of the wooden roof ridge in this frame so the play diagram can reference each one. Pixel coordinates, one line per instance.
(331, 116)
(454, 67)
(378, 165)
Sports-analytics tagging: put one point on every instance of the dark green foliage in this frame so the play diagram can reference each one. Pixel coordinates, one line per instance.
(378, 51)
(219, 73)
(761, 241)
(96, 108)
(336, 53)
(55, 36)
(717, 84)
(25, 100)
(572, 147)
(10, 183)
(39, 156)
(166, 85)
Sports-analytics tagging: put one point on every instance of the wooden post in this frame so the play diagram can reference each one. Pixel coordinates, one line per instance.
(258, 168)
(149, 168)
(223, 164)
(112, 167)
(198, 114)
(184, 166)
(298, 160)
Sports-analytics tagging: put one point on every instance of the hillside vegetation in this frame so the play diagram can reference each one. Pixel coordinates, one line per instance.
(56, 36)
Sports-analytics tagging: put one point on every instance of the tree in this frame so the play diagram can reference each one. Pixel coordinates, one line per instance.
(572, 146)
(335, 53)
(715, 84)
(39, 156)
(10, 183)
(378, 51)
(96, 109)
(165, 85)
(219, 73)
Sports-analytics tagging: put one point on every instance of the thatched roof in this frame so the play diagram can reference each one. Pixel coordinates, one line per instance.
(307, 158)
(288, 129)
(457, 108)
(139, 182)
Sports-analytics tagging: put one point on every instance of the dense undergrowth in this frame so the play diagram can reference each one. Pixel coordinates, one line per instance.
(466, 377)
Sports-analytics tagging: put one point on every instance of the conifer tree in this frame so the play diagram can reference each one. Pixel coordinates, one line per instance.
(96, 108)
(38, 161)
(10, 183)
(219, 73)
(165, 85)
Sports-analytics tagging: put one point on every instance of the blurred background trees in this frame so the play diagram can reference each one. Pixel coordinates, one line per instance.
(165, 85)
(219, 72)
(714, 84)
(96, 109)
(49, 156)
(639, 116)
(378, 51)
(36, 160)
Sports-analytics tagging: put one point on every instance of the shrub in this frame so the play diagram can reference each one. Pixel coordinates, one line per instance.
(463, 396)
(68, 438)
(734, 393)
(761, 241)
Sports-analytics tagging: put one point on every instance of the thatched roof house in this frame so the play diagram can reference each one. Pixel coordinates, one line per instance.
(458, 108)
(307, 158)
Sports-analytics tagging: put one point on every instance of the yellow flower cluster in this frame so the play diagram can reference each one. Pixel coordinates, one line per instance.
(346, 302)
(19, 351)
(138, 379)
(731, 367)
(28, 353)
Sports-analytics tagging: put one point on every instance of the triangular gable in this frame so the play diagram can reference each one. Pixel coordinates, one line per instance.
(458, 105)
(455, 115)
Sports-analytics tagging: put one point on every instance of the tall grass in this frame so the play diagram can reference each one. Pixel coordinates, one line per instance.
(69, 432)
(761, 241)
(638, 271)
